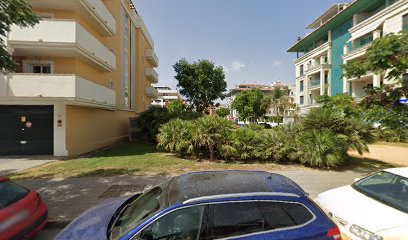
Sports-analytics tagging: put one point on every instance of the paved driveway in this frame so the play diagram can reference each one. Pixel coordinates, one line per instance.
(67, 198)
(15, 164)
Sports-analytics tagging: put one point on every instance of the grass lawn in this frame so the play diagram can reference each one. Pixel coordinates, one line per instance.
(144, 160)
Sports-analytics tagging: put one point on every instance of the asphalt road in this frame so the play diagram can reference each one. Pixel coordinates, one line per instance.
(313, 182)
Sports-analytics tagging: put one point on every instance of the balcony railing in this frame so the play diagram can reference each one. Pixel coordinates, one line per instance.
(65, 38)
(152, 75)
(64, 87)
(94, 11)
(314, 84)
(152, 92)
(152, 57)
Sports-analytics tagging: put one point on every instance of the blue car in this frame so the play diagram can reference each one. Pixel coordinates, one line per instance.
(209, 205)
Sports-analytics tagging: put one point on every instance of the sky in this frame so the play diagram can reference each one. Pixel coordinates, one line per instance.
(249, 38)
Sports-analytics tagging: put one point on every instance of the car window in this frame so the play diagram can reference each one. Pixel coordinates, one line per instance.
(11, 193)
(387, 188)
(240, 218)
(283, 214)
(233, 219)
(137, 210)
(183, 224)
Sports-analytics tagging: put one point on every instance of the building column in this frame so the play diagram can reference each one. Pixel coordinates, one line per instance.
(322, 83)
(60, 126)
(377, 80)
(306, 90)
(377, 34)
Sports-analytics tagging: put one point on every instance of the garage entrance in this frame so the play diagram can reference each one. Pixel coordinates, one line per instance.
(26, 130)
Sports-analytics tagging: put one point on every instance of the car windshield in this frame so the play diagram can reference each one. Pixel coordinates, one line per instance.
(135, 211)
(387, 188)
(11, 193)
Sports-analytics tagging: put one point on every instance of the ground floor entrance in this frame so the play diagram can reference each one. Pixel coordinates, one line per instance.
(26, 130)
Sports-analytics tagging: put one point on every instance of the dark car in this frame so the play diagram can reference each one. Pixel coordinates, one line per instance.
(22, 212)
(209, 205)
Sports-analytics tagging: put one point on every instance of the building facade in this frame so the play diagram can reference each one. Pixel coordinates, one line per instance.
(82, 72)
(165, 96)
(342, 34)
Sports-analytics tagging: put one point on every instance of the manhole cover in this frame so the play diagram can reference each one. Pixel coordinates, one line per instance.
(121, 190)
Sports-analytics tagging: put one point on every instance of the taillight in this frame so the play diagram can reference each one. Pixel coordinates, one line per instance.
(334, 233)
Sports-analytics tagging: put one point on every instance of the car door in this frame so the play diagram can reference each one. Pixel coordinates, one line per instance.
(187, 223)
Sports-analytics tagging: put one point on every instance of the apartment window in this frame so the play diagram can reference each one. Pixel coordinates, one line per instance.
(302, 86)
(302, 100)
(405, 22)
(301, 70)
(326, 78)
(40, 67)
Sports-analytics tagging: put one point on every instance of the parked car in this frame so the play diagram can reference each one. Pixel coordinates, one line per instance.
(22, 212)
(209, 205)
(373, 208)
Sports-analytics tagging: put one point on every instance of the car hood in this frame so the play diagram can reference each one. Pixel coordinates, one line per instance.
(355, 208)
(92, 224)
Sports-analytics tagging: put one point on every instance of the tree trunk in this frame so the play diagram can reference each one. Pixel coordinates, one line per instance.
(212, 152)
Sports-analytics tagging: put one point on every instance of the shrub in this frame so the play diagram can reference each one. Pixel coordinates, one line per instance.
(321, 148)
(152, 119)
(210, 133)
(243, 144)
(176, 137)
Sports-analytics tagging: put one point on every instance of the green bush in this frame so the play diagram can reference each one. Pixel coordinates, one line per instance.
(321, 148)
(393, 135)
(176, 137)
(321, 139)
(152, 119)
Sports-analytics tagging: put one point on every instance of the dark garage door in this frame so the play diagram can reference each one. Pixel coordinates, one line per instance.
(26, 130)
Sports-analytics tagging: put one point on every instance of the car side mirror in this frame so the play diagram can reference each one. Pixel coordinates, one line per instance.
(356, 179)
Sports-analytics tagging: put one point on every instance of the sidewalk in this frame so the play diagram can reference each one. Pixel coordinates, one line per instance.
(68, 198)
(14, 164)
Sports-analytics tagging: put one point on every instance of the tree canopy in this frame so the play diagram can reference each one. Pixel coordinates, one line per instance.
(223, 112)
(389, 53)
(13, 12)
(201, 82)
(251, 104)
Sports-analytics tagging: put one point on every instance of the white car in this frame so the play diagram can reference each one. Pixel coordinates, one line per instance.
(373, 208)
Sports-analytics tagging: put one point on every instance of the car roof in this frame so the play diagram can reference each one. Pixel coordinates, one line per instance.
(403, 171)
(211, 185)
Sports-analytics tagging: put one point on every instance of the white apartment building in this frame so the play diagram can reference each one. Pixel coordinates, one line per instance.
(165, 96)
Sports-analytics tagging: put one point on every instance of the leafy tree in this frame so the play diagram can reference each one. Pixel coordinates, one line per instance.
(387, 55)
(201, 82)
(223, 112)
(341, 103)
(13, 12)
(280, 103)
(176, 106)
(251, 104)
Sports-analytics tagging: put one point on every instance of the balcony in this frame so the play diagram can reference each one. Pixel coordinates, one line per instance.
(152, 75)
(64, 39)
(93, 11)
(152, 57)
(71, 89)
(317, 67)
(315, 52)
(152, 92)
(314, 84)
